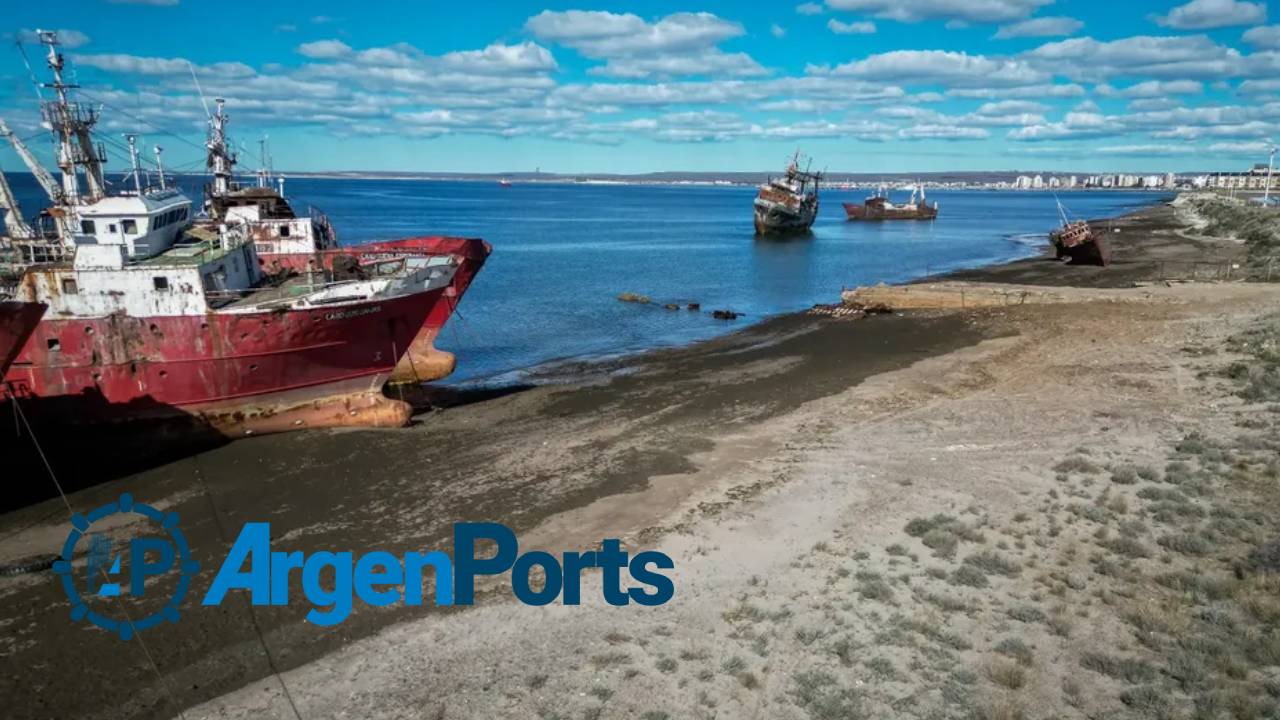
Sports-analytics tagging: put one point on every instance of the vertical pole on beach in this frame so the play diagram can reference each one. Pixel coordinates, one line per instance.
(1266, 193)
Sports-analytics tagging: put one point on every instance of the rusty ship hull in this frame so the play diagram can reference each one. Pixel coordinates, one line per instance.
(234, 373)
(772, 218)
(1078, 243)
(421, 361)
(17, 321)
(877, 211)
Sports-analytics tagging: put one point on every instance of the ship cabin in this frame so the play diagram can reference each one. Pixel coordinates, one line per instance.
(139, 254)
(143, 224)
(272, 222)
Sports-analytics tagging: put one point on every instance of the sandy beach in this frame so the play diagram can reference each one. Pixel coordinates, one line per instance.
(983, 512)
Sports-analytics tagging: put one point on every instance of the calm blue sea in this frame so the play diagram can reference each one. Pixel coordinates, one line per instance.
(563, 253)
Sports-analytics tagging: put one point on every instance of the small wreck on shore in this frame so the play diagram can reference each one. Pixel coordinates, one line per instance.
(1076, 241)
(788, 205)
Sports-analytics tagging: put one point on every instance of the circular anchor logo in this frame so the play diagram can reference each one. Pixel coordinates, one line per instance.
(147, 557)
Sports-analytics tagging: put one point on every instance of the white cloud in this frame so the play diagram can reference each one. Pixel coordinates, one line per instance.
(1259, 87)
(1241, 148)
(1266, 37)
(1074, 125)
(711, 62)
(325, 49)
(498, 59)
(1191, 56)
(70, 39)
(777, 30)
(942, 132)
(1208, 14)
(1152, 104)
(1147, 150)
(137, 65)
(809, 8)
(600, 34)
(678, 44)
(1057, 90)
(940, 67)
(1251, 129)
(1152, 89)
(851, 28)
(976, 11)
(1039, 27)
(1008, 107)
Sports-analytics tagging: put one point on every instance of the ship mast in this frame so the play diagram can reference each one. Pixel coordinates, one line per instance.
(220, 159)
(72, 125)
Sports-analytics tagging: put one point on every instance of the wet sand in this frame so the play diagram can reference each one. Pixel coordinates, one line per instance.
(556, 463)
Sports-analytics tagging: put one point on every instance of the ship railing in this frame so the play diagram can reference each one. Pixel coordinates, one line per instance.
(284, 295)
(38, 252)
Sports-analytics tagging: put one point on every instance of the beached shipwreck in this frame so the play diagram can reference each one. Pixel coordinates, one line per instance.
(1077, 242)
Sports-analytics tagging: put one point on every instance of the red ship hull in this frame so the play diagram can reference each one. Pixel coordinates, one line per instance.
(17, 321)
(234, 373)
(421, 361)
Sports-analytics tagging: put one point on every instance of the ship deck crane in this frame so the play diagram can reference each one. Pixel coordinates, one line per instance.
(43, 177)
(14, 225)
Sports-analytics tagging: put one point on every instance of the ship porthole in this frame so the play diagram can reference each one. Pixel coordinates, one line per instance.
(88, 330)
(164, 373)
(253, 368)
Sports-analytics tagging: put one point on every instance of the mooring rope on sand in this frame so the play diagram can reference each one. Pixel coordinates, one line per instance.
(164, 683)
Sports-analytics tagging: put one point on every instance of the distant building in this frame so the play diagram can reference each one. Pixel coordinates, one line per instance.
(1254, 178)
(1054, 182)
(1072, 181)
(1023, 182)
(1037, 182)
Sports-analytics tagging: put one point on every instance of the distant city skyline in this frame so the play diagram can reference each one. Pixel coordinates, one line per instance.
(863, 86)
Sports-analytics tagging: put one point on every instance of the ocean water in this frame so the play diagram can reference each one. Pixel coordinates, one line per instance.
(564, 252)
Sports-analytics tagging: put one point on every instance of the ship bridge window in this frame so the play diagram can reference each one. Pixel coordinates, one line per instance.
(284, 230)
(69, 286)
(130, 227)
(88, 228)
(160, 282)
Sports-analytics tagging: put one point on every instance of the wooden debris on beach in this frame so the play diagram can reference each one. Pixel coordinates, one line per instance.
(836, 311)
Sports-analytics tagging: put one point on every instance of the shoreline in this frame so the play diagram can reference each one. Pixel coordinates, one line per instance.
(650, 450)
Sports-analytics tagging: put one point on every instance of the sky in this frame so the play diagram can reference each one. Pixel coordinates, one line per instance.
(695, 85)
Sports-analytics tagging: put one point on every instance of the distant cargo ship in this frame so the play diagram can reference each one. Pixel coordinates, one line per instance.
(788, 205)
(878, 207)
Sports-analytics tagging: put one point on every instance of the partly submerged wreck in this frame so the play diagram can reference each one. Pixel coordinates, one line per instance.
(1077, 242)
(878, 207)
(788, 205)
